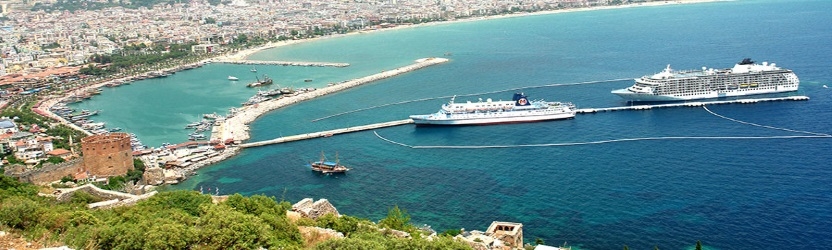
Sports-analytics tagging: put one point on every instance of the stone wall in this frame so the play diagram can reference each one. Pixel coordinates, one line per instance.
(112, 198)
(48, 173)
(108, 154)
(66, 193)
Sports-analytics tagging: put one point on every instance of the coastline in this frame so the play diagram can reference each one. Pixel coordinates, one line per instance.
(244, 54)
(236, 128)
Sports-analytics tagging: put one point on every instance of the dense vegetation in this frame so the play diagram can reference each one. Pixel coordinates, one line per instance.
(133, 56)
(189, 220)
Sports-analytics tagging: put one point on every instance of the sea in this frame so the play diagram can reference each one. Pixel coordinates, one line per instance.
(737, 178)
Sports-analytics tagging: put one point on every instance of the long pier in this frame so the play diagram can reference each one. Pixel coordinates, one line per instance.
(285, 63)
(691, 104)
(327, 133)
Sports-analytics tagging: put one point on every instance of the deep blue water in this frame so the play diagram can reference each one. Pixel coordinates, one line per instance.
(728, 193)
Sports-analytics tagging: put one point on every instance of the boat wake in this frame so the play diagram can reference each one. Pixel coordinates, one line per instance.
(809, 135)
(474, 94)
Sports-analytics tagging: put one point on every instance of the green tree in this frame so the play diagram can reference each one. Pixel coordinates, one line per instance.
(11, 187)
(538, 241)
(452, 232)
(13, 159)
(67, 178)
(224, 228)
(397, 219)
(170, 236)
(55, 159)
(698, 245)
(19, 212)
(184, 200)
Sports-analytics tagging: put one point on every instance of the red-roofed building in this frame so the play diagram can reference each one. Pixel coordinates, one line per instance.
(63, 153)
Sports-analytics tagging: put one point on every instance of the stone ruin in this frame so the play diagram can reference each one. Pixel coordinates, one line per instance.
(158, 176)
(309, 209)
(499, 235)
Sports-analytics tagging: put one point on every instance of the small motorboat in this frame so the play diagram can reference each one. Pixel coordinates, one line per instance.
(232, 78)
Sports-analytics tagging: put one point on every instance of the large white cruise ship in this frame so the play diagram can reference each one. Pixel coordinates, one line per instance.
(745, 78)
(519, 109)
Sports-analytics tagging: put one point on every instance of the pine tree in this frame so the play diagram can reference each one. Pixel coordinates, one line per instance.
(698, 245)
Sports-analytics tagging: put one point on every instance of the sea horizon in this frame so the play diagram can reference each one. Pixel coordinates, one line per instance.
(730, 194)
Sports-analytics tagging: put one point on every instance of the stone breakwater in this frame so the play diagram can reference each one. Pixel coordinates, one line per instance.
(236, 128)
(285, 63)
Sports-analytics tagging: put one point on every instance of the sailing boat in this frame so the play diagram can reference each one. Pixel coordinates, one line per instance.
(253, 69)
(328, 167)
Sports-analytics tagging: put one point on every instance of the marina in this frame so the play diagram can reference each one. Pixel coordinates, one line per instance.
(236, 128)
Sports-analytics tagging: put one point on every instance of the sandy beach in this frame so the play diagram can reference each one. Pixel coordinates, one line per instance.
(244, 54)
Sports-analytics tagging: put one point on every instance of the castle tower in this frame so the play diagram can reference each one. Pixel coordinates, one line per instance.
(107, 154)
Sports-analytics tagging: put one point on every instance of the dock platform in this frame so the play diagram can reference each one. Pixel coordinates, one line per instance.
(691, 104)
(327, 133)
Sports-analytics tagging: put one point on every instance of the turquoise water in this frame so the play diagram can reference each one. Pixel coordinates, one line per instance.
(731, 194)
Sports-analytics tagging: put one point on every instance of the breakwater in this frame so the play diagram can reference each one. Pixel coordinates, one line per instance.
(691, 104)
(327, 133)
(235, 128)
(285, 63)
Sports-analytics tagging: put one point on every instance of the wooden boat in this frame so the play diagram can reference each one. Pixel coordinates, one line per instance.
(328, 167)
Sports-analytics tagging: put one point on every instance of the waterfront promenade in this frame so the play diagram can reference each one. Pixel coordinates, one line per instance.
(236, 128)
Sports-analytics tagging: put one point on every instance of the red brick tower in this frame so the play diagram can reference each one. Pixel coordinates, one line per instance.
(107, 154)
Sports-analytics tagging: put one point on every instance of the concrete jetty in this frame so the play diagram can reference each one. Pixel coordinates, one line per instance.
(236, 128)
(284, 63)
(327, 133)
(691, 104)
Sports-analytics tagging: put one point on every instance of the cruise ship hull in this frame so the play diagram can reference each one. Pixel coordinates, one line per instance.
(745, 78)
(486, 118)
(646, 97)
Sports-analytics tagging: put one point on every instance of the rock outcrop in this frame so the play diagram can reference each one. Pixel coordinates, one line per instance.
(154, 176)
(309, 209)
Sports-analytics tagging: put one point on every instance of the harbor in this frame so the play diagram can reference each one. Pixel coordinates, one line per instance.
(235, 128)
(328, 133)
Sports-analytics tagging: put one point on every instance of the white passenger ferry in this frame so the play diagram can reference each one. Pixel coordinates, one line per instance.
(519, 109)
(745, 78)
